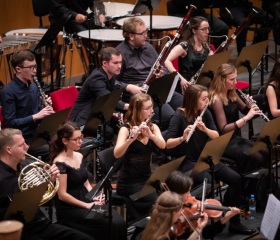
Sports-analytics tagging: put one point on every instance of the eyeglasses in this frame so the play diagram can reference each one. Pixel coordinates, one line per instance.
(31, 67)
(77, 139)
(204, 29)
(142, 33)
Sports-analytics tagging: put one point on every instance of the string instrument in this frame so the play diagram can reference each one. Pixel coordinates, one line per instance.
(167, 48)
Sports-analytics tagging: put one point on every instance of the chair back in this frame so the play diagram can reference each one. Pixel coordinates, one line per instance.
(1, 118)
(41, 8)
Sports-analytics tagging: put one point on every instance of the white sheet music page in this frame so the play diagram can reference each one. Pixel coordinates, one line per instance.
(271, 218)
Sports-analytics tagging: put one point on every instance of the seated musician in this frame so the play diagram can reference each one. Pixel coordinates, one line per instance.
(71, 202)
(181, 125)
(139, 57)
(76, 13)
(136, 141)
(225, 105)
(12, 154)
(22, 106)
(100, 82)
(191, 53)
(166, 212)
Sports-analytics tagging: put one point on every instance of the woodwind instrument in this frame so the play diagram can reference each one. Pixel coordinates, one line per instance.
(140, 127)
(224, 45)
(167, 48)
(43, 95)
(195, 123)
(250, 102)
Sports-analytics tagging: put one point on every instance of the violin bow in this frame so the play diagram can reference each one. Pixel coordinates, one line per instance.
(204, 188)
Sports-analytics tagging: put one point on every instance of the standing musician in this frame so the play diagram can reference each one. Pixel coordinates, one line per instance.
(225, 105)
(166, 212)
(12, 153)
(181, 125)
(191, 53)
(21, 101)
(136, 141)
(71, 203)
(139, 57)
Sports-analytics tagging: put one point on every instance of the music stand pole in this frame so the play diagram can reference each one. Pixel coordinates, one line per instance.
(149, 4)
(269, 145)
(209, 161)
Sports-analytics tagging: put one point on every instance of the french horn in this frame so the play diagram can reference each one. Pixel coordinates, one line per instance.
(36, 173)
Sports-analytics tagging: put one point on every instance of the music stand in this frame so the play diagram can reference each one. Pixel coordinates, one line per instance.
(267, 138)
(211, 65)
(249, 59)
(159, 175)
(47, 128)
(211, 155)
(25, 204)
(161, 90)
(142, 6)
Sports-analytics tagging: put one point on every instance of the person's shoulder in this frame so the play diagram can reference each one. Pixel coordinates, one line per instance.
(121, 46)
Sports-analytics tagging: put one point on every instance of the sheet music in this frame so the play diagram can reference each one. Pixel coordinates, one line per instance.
(271, 218)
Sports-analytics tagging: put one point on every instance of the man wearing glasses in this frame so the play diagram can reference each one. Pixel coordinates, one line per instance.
(139, 57)
(21, 103)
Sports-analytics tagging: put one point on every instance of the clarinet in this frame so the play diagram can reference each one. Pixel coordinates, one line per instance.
(195, 123)
(140, 127)
(167, 48)
(43, 95)
(250, 102)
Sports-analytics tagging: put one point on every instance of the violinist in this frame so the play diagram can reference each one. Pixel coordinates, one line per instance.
(166, 212)
(181, 125)
(180, 183)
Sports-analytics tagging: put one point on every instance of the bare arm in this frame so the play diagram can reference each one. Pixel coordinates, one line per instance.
(272, 101)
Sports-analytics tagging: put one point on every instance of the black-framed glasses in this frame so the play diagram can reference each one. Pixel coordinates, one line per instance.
(142, 33)
(31, 67)
(77, 139)
(204, 29)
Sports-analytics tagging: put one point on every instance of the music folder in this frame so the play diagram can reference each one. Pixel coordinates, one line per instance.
(26, 203)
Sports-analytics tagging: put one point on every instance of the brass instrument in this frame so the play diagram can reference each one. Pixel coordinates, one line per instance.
(167, 48)
(195, 123)
(249, 101)
(140, 127)
(43, 95)
(35, 174)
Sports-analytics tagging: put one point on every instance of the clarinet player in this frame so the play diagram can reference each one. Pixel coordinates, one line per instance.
(181, 125)
(21, 101)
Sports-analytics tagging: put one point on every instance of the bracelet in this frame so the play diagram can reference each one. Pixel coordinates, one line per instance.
(235, 125)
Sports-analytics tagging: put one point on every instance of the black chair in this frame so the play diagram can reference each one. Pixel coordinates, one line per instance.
(41, 8)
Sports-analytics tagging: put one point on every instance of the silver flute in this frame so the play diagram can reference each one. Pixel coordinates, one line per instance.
(195, 123)
(140, 127)
(43, 95)
(250, 102)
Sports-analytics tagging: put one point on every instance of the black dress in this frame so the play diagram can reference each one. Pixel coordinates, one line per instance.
(96, 225)
(134, 174)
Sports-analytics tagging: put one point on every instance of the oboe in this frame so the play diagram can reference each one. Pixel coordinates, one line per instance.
(141, 126)
(43, 95)
(250, 102)
(195, 123)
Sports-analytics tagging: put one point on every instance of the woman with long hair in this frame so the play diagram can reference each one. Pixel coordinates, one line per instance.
(72, 206)
(136, 140)
(192, 52)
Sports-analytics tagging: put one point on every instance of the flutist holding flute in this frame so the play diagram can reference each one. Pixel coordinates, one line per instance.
(23, 106)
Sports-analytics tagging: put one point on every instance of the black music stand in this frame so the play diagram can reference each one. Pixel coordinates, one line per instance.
(142, 6)
(159, 175)
(249, 59)
(47, 128)
(25, 204)
(161, 90)
(211, 155)
(211, 65)
(267, 139)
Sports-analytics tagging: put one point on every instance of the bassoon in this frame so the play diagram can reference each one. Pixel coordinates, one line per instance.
(167, 48)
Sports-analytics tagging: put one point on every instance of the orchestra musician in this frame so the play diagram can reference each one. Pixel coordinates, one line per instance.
(225, 105)
(21, 102)
(71, 203)
(165, 213)
(191, 53)
(12, 154)
(181, 125)
(136, 141)
(138, 58)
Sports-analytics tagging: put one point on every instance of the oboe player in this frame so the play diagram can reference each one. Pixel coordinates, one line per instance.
(181, 124)
(21, 101)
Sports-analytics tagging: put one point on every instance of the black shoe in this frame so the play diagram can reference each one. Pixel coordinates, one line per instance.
(237, 227)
